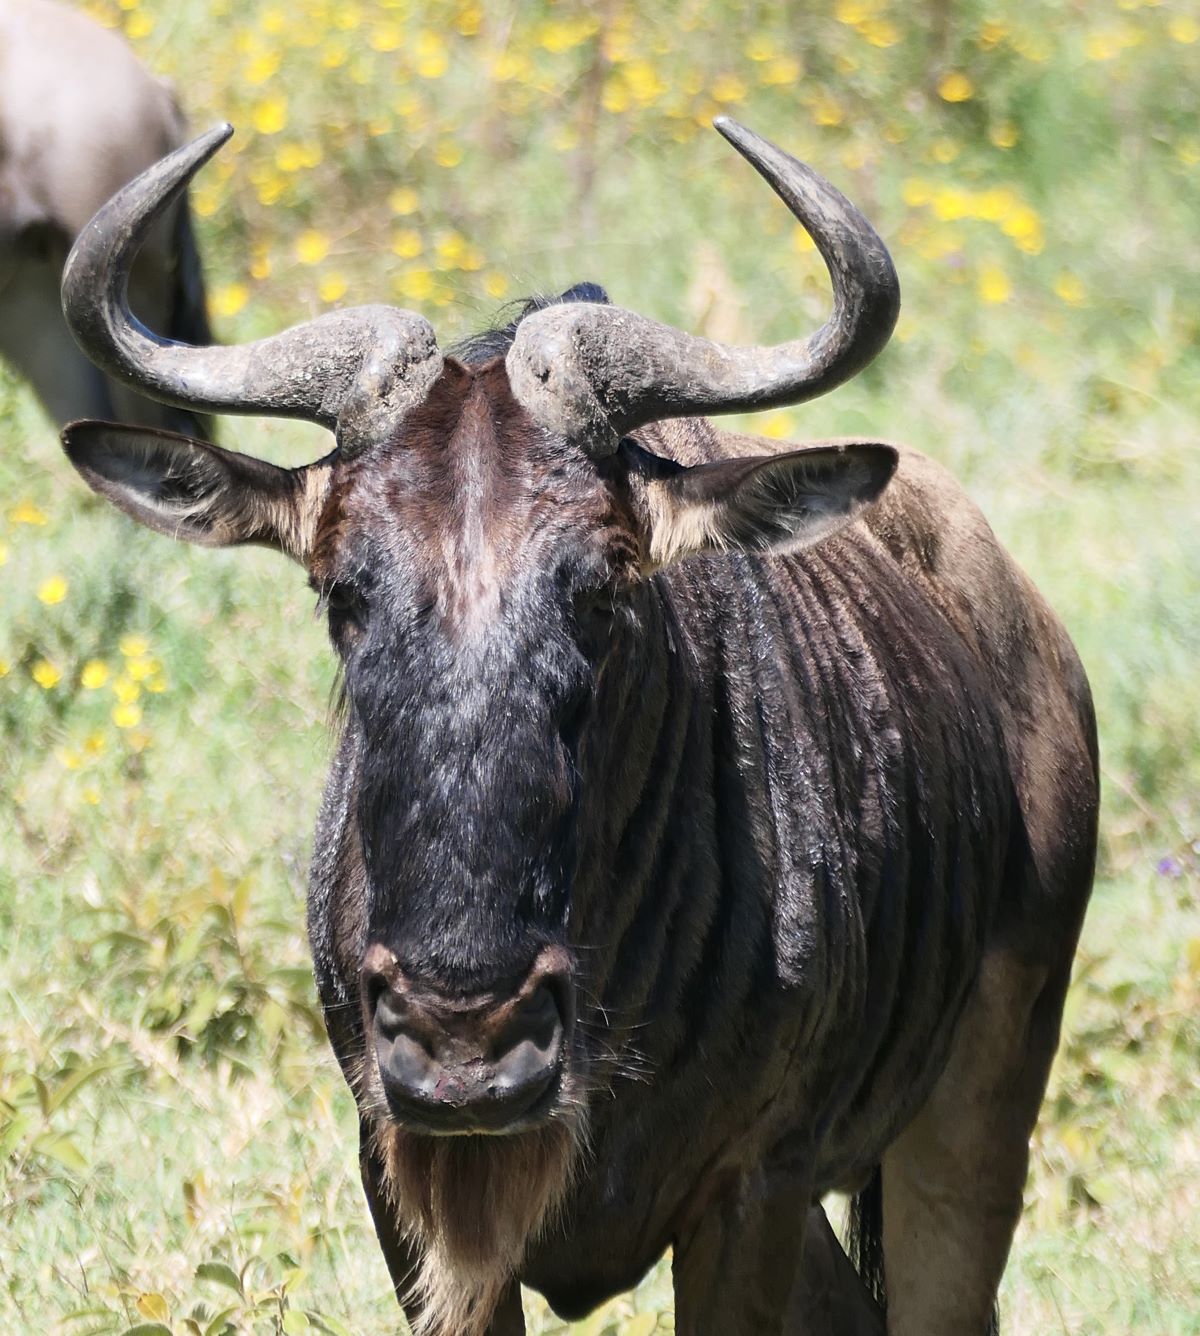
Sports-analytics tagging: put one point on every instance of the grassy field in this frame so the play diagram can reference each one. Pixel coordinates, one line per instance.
(176, 1146)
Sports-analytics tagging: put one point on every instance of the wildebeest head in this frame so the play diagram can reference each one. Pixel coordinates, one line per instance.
(480, 538)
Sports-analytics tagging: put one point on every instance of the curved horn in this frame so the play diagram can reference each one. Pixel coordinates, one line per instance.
(595, 373)
(352, 371)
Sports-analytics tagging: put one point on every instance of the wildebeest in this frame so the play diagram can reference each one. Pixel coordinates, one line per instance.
(710, 828)
(79, 117)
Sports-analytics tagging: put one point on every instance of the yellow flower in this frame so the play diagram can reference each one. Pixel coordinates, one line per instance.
(447, 153)
(229, 298)
(260, 265)
(95, 743)
(270, 115)
(347, 17)
(45, 674)
(68, 758)
(334, 55)
(93, 675)
(404, 200)
(880, 32)
(955, 87)
(1025, 228)
(778, 426)
(993, 285)
(262, 67)
(387, 37)
(156, 684)
(781, 70)
(311, 247)
(950, 203)
(139, 26)
(615, 97)
(25, 512)
(451, 250)
(289, 157)
(417, 285)
(141, 667)
(5, 667)
(407, 244)
(495, 284)
(1104, 45)
(1003, 135)
(205, 199)
(3, 553)
(127, 715)
(126, 690)
(91, 795)
(1069, 289)
(852, 12)
(826, 111)
(469, 20)
(432, 59)
(332, 287)
(1184, 29)
(760, 48)
(52, 591)
(133, 645)
(943, 151)
(728, 88)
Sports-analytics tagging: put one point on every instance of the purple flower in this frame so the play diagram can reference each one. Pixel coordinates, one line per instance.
(1169, 867)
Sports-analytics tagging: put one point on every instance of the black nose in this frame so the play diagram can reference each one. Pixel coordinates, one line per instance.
(467, 1065)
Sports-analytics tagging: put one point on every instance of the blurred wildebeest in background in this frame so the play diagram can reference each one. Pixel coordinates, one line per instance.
(80, 117)
(711, 826)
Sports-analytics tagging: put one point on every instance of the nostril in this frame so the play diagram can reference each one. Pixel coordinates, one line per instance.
(536, 1021)
(390, 1013)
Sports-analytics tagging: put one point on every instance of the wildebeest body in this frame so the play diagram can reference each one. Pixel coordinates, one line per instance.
(710, 826)
(805, 795)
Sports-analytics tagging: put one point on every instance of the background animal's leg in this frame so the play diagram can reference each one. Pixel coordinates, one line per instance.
(829, 1299)
(953, 1180)
(762, 1261)
(509, 1318)
(34, 338)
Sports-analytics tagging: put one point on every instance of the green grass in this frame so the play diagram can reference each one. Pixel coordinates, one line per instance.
(175, 1140)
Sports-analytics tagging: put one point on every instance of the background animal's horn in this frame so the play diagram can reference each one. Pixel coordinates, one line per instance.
(594, 373)
(353, 371)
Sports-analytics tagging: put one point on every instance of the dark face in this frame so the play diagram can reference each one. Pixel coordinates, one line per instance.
(469, 572)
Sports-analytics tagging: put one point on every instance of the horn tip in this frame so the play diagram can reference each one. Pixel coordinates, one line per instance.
(732, 130)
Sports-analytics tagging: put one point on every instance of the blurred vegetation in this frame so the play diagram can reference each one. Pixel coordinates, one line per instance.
(177, 1150)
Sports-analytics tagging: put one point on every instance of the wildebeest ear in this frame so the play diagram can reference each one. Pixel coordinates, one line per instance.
(764, 504)
(198, 492)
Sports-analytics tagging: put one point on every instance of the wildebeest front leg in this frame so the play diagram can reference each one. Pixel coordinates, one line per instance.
(829, 1299)
(509, 1318)
(762, 1261)
(397, 1253)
